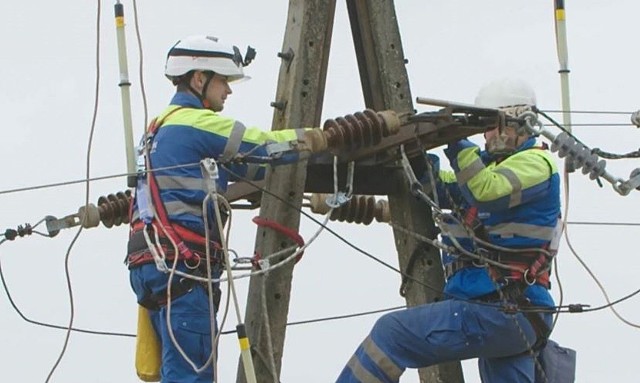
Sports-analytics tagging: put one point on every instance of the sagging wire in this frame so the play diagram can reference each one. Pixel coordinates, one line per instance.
(49, 325)
(87, 186)
(210, 169)
(141, 63)
(566, 233)
(358, 249)
(610, 305)
(93, 179)
(338, 317)
(160, 258)
(586, 111)
(581, 156)
(212, 320)
(618, 182)
(573, 308)
(591, 223)
(334, 317)
(334, 201)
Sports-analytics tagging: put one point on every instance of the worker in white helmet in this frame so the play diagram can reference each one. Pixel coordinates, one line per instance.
(189, 130)
(505, 204)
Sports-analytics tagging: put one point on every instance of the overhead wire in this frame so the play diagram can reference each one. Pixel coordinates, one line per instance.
(126, 174)
(92, 179)
(570, 245)
(586, 111)
(88, 179)
(570, 308)
(14, 305)
(87, 188)
(143, 91)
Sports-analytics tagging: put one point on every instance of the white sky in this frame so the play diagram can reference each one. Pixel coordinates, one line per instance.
(453, 47)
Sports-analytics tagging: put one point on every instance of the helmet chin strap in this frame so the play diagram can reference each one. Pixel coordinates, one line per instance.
(202, 95)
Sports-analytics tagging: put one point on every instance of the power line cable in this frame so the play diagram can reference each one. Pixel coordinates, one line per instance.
(44, 324)
(92, 179)
(574, 308)
(140, 62)
(595, 124)
(587, 111)
(87, 187)
(592, 223)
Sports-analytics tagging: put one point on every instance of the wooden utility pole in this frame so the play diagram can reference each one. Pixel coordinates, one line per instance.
(385, 85)
(299, 103)
(299, 97)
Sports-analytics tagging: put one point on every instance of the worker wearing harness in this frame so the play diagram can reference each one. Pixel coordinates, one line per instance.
(509, 196)
(189, 130)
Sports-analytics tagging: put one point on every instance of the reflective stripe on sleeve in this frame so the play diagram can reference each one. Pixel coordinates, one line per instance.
(464, 175)
(187, 183)
(233, 142)
(522, 229)
(179, 207)
(516, 194)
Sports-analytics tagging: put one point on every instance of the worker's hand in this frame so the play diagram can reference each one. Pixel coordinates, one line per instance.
(454, 148)
(315, 140)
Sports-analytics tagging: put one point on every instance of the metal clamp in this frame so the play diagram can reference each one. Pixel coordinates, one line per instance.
(209, 170)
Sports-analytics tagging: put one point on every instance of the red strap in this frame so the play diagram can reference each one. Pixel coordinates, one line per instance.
(163, 217)
(288, 232)
(470, 217)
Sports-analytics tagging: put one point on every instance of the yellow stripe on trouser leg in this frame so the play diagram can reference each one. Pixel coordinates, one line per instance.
(148, 349)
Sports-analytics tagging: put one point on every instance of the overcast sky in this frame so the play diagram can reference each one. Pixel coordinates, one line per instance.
(453, 47)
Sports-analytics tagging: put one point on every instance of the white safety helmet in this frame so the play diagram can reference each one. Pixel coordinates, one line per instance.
(505, 93)
(204, 53)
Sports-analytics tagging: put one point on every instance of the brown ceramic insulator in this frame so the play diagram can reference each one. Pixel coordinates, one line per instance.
(358, 130)
(359, 209)
(114, 208)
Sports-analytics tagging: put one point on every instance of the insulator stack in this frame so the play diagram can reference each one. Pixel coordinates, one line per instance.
(635, 118)
(114, 208)
(567, 146)
(634, 174)
(359, 209)
(361, 129)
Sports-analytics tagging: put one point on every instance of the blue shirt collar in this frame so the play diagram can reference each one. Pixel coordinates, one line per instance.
(187, 100)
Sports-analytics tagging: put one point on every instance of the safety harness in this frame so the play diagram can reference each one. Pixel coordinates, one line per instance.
(163, 234)
(523, 266)
(521, 269)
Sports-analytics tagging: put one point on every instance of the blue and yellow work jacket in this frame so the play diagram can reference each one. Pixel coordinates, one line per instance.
(190, 133)
(518, 204)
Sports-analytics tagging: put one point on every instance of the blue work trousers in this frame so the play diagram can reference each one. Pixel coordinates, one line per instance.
(441, 332)
(190, 322)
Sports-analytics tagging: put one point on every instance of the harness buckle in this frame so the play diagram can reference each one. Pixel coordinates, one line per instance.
(194, 262)
(525, 277)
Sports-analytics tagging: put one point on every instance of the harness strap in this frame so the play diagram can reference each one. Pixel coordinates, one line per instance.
(533, 267)
(138, 252)
(158, 300)
(156, 200)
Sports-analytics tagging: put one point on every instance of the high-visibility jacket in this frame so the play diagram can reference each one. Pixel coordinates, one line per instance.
(192, 133)
(517, 199)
